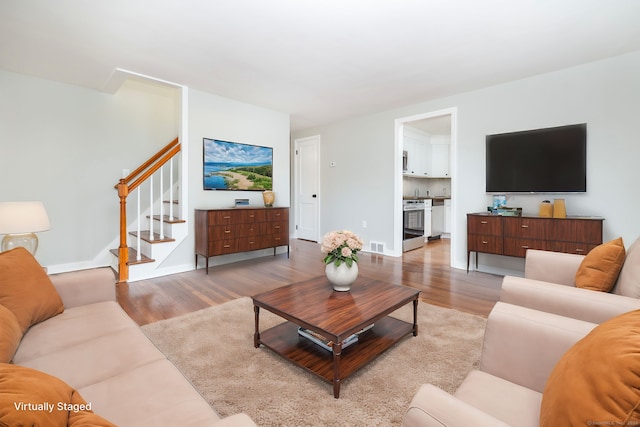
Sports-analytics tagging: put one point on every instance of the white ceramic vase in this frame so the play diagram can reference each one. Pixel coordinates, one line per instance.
(341, 277)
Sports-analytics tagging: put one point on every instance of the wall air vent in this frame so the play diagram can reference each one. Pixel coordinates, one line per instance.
(377, 247)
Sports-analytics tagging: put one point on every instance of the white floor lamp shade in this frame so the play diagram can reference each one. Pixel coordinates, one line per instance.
(19, 221)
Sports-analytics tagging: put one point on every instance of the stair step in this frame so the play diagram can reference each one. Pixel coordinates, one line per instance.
(146, 236)
(175, 219)
(133, 254)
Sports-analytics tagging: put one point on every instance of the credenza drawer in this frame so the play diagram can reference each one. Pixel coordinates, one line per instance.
(518, 247)
(485, 225)
(221, 247)
(527, 228)
(573, 247)
(484, 243)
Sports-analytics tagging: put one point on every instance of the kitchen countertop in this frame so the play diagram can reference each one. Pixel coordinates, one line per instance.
(426, 198)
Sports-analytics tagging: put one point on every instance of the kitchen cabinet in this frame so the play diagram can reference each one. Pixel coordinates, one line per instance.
(447, 216)
(418, 154)
(427, 156)
(440, 161)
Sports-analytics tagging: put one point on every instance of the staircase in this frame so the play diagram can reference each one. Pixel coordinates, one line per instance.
(150, 196)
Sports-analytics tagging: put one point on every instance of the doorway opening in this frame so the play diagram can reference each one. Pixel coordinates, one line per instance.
(432, 174)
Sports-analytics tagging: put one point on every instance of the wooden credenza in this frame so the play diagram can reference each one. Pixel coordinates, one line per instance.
(513, 235)
(228, 231)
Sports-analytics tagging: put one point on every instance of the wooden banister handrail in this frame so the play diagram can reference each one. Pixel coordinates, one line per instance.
(161, 162)
(149, 162)
(140, 174)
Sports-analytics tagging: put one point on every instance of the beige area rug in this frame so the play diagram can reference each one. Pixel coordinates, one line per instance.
(214, 349)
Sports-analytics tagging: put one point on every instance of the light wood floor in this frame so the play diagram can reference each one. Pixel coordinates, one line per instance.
(425, 269)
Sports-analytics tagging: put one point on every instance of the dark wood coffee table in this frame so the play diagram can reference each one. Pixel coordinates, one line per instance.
(314, 305)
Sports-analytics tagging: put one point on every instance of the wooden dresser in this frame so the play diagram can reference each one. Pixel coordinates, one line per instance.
(513, 235)
(228, 231)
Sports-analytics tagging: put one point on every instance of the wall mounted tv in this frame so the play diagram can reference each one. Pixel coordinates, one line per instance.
(236, 166)
(550, 160)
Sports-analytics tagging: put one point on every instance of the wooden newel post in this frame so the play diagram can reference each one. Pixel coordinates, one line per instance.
(123, 249)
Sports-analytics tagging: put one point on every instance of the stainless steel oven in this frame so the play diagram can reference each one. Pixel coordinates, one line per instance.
(416, 223)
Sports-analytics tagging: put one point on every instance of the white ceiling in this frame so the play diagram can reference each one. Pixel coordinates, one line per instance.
(319, 60)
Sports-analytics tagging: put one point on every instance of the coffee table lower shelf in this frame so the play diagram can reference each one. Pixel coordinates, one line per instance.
(284, 340)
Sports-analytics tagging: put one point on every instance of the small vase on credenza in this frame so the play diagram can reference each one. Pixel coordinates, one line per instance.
(559, 209)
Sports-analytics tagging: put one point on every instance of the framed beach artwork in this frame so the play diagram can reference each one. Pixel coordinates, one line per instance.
(236, 166)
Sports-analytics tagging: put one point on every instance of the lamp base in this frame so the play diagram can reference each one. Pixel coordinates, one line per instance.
(25, 240)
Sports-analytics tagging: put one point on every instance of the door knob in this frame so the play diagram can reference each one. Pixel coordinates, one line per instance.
(314, 196)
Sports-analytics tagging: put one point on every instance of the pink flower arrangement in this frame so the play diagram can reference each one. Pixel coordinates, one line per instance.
(341, 246)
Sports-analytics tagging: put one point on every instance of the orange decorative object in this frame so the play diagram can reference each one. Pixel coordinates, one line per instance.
(546, 209)
(559, 209)
(269, 197)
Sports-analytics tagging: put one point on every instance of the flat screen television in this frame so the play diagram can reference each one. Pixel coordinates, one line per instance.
(236, 166)
(550, 160)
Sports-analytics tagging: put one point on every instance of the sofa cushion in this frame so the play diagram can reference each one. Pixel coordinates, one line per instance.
(76, 325)
(97, 359)
(10, 334)
(629, 279)
(150, 395)
(509, 402)
(600, 267)
(25, 288)
(29, 397)
(598, 379)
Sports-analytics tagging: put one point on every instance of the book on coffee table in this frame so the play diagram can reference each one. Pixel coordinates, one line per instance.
(328, 344)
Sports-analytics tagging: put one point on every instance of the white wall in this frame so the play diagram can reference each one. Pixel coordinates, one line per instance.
(66, 146)
(212, 116)
(604, 94)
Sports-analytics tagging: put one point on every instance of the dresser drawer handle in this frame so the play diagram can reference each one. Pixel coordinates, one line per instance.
(484, 242)
(524, 226)
(484, 222)
(227, 217)
(276, 226)
(227, 246)
(579, 250)
(525, 247)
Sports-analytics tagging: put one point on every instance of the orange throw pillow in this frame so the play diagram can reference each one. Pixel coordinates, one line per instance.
(33, 398)
(10, 334)
(598, 380)
(600, 268)
(25, 288)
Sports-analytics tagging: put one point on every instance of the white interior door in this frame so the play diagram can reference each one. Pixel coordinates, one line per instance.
(307, 185)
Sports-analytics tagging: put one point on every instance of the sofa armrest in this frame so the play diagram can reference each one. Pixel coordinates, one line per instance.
(583, 304)
(85, 286)
(554, 267)
(433, 407)
(523, 345)
(237, 420)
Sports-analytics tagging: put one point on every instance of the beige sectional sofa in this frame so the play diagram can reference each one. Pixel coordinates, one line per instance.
(520, 349)
(553, 353)
(95, 348)
(549, 284)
